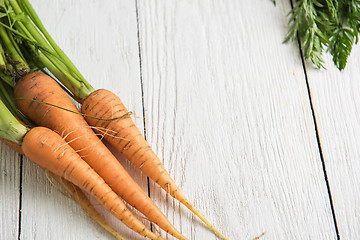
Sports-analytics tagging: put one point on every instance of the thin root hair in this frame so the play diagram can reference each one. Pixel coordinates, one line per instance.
(100, 129)
(50, 179)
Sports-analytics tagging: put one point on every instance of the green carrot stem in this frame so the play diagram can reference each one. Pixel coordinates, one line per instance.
(7, 79)
(6, 98)
(15, 44)
(50, 55)
(50, 60)
(73, 79)
(79, 90)
(10, 127)
(13, 51)
(2, 58)
(5, 68)
(34, 17)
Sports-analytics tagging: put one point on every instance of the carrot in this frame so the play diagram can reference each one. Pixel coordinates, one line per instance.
(50, 151)
(128, 140)
(74, 192)
(35, 89)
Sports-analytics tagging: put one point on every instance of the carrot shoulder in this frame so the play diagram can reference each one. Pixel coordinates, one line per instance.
(35, 89)
(49, 150)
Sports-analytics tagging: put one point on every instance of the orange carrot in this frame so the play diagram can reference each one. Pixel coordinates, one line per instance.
(40, 89)
(128, 140)
(74, 192)
(50, 151)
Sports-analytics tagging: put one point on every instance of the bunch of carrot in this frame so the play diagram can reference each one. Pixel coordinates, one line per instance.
(63, 140)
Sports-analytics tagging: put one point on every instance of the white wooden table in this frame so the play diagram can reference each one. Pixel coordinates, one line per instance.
(257, 140)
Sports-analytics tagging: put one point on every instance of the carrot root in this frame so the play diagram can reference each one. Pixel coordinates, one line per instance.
(191, 207)
(129, 141)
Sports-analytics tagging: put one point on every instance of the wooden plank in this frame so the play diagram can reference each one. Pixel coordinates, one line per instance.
(336, 102)
(227, 110)
(101, 39)
(9, 193)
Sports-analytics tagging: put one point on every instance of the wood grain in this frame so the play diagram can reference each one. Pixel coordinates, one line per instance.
(336, 103)
(227, 110)
(9, 192)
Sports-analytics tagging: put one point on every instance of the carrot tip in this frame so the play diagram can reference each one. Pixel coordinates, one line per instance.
(191, 207)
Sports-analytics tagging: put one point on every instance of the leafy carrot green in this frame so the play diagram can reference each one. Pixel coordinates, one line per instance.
(325, 25)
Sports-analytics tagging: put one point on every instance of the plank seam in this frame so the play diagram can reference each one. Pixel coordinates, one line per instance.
(317, 134)
(142, 89)
(20, 195)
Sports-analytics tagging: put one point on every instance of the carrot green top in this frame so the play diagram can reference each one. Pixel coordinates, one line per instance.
(26, 42)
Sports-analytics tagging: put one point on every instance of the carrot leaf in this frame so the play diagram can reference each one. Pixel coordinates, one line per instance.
(324, 25)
